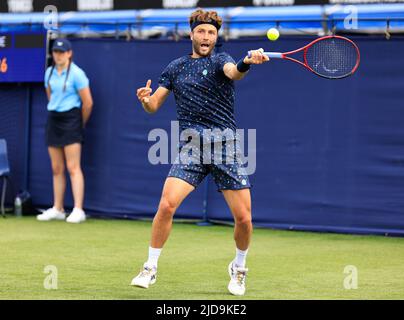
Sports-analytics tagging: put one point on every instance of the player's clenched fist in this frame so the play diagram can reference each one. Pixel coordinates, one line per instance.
(143, 94)
(256, 57)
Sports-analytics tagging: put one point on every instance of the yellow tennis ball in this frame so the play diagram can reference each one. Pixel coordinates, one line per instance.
(273, 34)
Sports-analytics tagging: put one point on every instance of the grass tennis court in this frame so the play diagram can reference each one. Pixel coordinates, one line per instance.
(97, 260)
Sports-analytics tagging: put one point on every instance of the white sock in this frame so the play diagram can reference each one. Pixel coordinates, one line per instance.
(154, 254)
(240, 257)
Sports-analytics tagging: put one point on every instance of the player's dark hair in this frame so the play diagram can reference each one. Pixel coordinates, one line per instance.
(199, 15)
(67, 73)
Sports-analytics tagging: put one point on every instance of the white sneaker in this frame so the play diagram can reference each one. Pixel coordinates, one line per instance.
(146, 277)
(237, 279)
(76, 216)
(51, 214)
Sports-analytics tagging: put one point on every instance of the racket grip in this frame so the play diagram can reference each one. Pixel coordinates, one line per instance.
(273, 55)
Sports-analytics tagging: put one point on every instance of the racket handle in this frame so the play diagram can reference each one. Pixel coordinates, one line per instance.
(273, 55)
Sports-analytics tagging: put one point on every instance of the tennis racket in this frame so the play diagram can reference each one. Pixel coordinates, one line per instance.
(331, 57)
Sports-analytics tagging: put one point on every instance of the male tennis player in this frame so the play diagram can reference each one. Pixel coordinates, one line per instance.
(203, 85)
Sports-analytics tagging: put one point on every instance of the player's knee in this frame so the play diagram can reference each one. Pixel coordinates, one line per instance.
(166, 208)
(244, 221)
(243, 217)
(58, 169)
(73, 168)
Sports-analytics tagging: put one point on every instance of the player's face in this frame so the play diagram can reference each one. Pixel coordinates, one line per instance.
(61, 58)
(204, 38)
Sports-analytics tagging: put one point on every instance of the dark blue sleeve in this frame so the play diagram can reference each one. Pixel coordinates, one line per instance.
(222, 59)
(166, 77)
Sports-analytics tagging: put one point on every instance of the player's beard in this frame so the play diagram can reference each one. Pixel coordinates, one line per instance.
(200, 52)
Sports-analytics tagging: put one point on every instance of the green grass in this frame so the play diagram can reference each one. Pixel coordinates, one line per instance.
(97, 260)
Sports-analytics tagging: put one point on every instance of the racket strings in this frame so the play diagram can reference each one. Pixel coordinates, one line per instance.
(332, 57)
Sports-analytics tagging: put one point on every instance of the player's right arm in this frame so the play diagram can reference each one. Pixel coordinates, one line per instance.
(152, 103)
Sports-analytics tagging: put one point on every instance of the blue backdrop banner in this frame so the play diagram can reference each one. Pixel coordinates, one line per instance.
(329, 154)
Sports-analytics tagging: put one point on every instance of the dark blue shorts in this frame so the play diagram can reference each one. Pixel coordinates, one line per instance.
(228, 174)
(64, 128)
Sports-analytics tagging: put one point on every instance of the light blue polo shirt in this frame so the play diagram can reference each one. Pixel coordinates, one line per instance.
(64, 101)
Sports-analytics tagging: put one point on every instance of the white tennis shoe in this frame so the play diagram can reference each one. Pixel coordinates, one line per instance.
(146, 277)
(51, 214)
(76, 216)
(237, 279)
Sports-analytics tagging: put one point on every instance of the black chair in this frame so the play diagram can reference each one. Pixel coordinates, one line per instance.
(4, 172)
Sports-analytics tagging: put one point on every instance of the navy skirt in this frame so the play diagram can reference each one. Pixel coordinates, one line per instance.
(64, 128)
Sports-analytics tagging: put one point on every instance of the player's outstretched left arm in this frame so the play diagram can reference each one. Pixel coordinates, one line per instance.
(239, 70)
